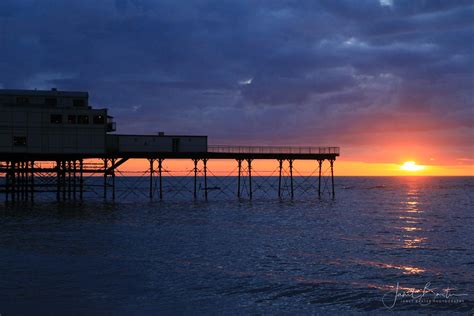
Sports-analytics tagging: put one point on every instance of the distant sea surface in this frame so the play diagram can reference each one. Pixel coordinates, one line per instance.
(269, 255)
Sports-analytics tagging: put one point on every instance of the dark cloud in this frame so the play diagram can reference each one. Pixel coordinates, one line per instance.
(253, 71)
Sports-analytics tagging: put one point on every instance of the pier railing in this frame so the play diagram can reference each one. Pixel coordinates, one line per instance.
(271, 149)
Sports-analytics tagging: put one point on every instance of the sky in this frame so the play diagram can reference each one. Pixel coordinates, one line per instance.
(388, 81)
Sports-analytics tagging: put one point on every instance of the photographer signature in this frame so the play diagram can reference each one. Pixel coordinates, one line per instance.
(424, 296)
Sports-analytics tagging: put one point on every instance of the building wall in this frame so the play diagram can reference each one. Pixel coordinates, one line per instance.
(155, 143)
(29, 123)
(34, 126)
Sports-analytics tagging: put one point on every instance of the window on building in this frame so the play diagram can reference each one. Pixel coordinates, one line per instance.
(51, 101)
(71, 119)
(56, 118)
(78, 102)
(175, 144)
(98, 119)
(82, 119)
(22, 100)
(19, 141)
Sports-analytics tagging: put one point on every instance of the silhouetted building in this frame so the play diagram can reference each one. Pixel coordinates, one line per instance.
(62, 122)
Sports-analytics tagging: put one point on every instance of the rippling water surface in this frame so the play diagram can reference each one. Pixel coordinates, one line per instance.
(230, 256)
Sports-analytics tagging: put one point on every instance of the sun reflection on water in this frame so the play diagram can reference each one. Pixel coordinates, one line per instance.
(406, 269)
(411, 220)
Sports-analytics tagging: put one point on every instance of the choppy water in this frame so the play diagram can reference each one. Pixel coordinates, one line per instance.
(227, 256)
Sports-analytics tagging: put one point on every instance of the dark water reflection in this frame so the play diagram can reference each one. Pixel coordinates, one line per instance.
(232, 256)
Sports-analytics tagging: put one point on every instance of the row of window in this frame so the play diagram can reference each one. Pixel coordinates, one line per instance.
(77, 119)
(51, 101)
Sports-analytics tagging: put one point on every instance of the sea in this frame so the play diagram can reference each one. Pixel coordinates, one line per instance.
(395, 245)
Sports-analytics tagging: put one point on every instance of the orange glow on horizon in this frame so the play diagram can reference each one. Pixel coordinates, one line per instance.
(184, 167)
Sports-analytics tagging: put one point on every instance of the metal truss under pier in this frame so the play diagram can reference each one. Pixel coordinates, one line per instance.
(63, 174)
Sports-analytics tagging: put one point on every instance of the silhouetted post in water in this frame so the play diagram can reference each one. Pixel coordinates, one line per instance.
(81, 179)
(332, 178)
(105, 177)
(7, 181)
(249, 162)
(63, 177)
(204, 161)
(291, 177)
(31, 176)
(195, 177)
(22, 178)
(69, 179)
(13, 180)
(160, 167)
(74, 178)
(239, 165)
(20, 181)
(280, 161)
(320, 163)
(113, 178)
(17, 180)
(58, 180)
(24, 170)
(26, 183)
(150, 193)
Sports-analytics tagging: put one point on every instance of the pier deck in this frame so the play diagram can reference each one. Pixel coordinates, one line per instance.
(20, 169)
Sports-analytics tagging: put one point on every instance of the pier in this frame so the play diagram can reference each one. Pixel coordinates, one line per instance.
(68, 170)
(51, 140)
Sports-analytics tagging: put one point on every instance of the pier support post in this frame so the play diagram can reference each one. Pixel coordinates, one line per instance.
(69, 180)
(249, 162)
(204, 161)
(160, 170)
(22, 180)
(13, 187)
(291, 178)
(24, 167)
(17, 182)
(113, 179)
(81, 179)
(63, 178)
(332, 178)
(106, 162)
(74, 178)
(195, 176)
(320, 164)
(7, 180)
(58, 180)
(150, 193)
(32, 182)
(27, 179)
(280, 162)
(239, 166)
(16, 179)
(29, 187)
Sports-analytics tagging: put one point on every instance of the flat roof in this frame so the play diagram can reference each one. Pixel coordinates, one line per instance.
(155, 135)
(45, 93)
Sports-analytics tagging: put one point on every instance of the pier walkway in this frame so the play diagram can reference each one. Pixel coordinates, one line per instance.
(20, 169)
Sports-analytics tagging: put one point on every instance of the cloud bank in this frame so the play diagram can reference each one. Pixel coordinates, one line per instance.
(365, 75)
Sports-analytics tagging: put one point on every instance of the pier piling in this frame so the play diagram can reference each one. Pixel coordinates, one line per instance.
(249, 163)
(28, 174)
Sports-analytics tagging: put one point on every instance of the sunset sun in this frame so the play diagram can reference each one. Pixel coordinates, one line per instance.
(411, 166)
